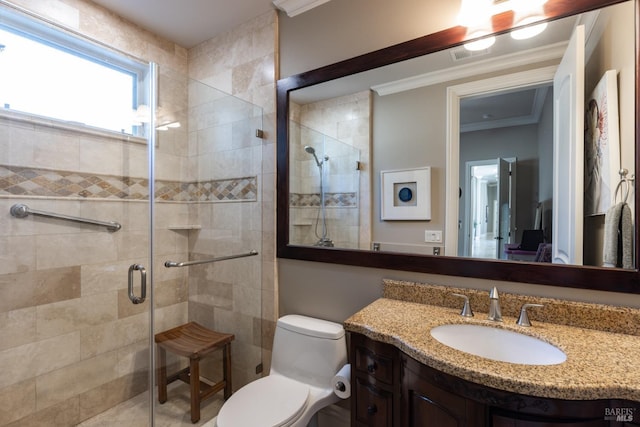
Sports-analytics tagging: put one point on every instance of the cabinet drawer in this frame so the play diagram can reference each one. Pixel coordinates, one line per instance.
(374, 407)
(374, 364)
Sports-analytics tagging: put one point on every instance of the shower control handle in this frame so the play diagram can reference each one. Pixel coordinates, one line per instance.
(143, 284)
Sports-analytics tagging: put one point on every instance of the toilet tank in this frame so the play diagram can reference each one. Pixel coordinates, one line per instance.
(308, 350)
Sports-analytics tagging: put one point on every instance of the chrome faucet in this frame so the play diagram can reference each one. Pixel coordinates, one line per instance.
(494, 306)
(523, 319)
(466, 308)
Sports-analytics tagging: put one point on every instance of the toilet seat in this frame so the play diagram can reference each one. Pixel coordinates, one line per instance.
(272, 401)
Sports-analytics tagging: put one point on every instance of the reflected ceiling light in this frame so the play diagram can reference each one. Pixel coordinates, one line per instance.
(168, 126)
(528, 12)
(480, 44)
(142, 114)
(476, 16)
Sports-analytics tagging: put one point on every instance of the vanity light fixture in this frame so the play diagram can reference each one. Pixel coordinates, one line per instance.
(476, 16)
(528, 12)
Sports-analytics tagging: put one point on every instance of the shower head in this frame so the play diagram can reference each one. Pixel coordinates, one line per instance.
(312, 151)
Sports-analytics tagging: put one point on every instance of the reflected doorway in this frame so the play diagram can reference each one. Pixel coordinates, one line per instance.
(490, 207)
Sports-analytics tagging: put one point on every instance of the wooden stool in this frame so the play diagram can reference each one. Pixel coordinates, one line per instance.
(195, 342)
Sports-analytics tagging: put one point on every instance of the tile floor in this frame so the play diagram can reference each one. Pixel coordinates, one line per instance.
(173, 413)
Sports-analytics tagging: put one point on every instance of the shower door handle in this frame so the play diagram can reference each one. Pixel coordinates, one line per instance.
(143, 284)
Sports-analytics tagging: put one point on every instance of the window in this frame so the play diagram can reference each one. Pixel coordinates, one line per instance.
(47, 72)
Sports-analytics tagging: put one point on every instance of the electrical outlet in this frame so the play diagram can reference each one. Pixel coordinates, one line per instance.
(433, 236)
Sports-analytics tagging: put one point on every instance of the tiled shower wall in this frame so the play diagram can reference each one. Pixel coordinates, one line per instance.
(243, 62)
(345, 119)
(72, 343)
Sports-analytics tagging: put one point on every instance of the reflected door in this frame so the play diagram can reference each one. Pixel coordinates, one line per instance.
(568, 149)
(506, 199)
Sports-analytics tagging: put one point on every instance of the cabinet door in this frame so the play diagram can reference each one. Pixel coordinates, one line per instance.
(426, 405)
(374, 407)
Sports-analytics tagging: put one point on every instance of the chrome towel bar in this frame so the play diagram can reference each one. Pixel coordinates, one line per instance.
(22, 211)
(170, 264)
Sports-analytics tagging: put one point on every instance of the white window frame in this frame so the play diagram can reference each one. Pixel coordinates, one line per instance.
(47, 33)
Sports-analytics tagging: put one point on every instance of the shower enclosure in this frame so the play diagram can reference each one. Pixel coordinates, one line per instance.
(76, 322)
(324, 192)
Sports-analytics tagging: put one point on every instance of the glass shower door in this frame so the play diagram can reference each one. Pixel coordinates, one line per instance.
(76, 218)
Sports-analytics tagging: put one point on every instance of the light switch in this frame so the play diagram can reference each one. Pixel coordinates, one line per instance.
(433, 236)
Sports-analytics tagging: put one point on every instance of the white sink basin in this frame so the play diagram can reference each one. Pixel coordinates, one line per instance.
(498, 344)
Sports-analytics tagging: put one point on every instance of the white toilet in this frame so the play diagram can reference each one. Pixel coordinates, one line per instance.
(307, 353)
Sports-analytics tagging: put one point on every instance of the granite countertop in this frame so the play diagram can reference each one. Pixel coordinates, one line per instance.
(599, 365)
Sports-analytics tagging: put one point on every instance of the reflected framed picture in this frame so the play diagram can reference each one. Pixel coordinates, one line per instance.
(406, 194)
(602, 146)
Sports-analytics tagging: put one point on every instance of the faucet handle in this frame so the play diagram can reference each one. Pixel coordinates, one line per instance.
(466, 308)
(523, 319)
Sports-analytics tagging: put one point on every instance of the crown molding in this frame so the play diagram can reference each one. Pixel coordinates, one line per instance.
(532, 56)
(296, 7)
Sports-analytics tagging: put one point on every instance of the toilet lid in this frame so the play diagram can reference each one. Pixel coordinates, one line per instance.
(272, 401)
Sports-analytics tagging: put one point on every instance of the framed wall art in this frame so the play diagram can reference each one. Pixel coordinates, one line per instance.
(406, 194)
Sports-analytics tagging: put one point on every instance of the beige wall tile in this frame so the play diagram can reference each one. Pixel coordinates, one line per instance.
(170, 317)
(111, 336)
(126, 308)
(38, 287)
(105, 277)
(17, 327)
(73, 315)
(17, 254)
(134, 358)
(62, 384)
(64, 414)
(30, 360)
(108, 395)
(74, 249)
(131, 244)
(17, 401)
(101, 157)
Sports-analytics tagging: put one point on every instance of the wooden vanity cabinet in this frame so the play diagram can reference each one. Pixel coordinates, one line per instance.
(426, 404)
(375, 383)
(391, 389)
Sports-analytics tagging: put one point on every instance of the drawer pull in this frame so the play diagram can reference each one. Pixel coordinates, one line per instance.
(371, 367)
(371, 410)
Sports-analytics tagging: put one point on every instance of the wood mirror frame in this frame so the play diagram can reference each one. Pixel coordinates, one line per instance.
(584, 277)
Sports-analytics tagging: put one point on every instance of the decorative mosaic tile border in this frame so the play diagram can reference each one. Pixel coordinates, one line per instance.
(332, 200)
(23, 181)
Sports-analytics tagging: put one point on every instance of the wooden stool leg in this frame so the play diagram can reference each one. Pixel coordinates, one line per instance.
(194, 382)
(162, 374)
(226, 368)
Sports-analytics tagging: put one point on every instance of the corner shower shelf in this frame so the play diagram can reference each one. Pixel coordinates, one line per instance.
(185, 227)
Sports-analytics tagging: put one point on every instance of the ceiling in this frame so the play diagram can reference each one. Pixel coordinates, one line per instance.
(191, 22)
(188, 22)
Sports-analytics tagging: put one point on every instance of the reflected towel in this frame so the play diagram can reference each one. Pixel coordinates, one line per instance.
(618, 237)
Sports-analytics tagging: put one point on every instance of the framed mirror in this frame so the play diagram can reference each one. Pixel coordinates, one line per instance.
(330, 190)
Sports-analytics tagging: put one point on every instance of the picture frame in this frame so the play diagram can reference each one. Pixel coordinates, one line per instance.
(601, 146)
(406, 194)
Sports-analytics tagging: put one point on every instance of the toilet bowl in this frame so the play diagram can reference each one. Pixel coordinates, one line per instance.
(307, 353)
